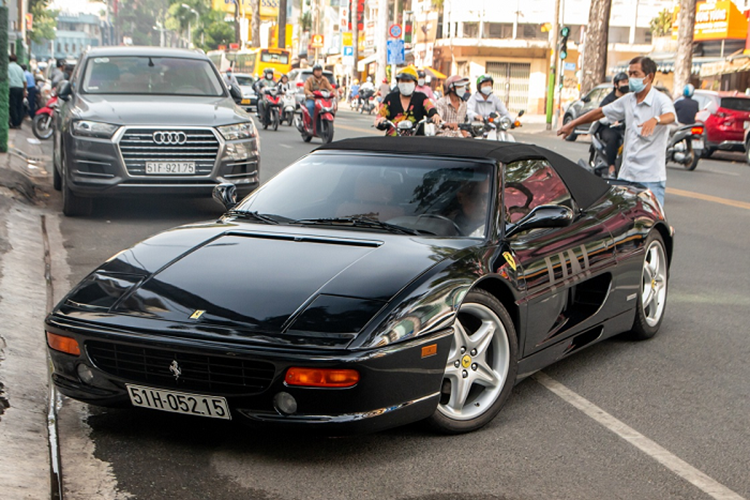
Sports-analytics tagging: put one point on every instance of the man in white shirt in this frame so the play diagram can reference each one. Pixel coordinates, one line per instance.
(646, 111)
(483, 101)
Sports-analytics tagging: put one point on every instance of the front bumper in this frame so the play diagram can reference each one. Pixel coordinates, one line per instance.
(97, 167)
(396, 386)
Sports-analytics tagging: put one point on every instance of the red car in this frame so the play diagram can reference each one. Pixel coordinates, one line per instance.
(727, 118)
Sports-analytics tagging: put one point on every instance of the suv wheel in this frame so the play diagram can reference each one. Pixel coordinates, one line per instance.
(73, 204)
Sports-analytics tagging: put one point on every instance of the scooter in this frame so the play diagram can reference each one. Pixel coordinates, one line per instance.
(272, 108)
(406, 128)
(321, 123)
(367, 98)
(597, 163)
(493, 127)
(686, 144)
(42, 124)
(289, 105)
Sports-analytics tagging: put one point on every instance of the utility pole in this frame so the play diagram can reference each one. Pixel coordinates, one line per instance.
(4, 104)
(381, 39)
(684, 59)
(281, 31)
(553, 64)
(595, 48)
(254, 23)
(354, 13)
(237, 23)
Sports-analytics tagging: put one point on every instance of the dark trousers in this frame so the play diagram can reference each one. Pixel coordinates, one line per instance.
(16, 106)
(32, 101)
(612, 140)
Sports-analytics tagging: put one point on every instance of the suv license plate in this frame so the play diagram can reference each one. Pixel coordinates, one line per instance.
(179, 402)
(170, 167)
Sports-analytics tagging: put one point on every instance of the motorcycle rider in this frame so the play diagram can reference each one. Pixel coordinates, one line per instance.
(315, 82)
(483, 101)
(367, 86)
(452, 107)
(284, 86)
(612, 137)
(405, 103)
(266, 82)
(686, 106)
(423, 87)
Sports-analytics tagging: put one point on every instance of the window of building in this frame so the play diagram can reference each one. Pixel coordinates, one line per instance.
(74, 48)
(532, 32)
(471, 30)
(498, 30)
(530, 183)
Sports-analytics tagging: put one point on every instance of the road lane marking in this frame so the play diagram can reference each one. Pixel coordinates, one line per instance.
(708, 197)
(370, 131)
(686, 471)
(286, 146)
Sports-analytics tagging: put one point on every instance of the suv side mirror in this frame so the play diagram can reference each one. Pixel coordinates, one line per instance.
(226, 194)
(543, 216)
(64, 90)
(236, 93)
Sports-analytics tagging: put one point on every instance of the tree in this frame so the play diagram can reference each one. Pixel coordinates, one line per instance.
(214, 31)
(136, 19)
(45, 21)
(595, 46)
(684, 58)
(661, 25)
(255, 23)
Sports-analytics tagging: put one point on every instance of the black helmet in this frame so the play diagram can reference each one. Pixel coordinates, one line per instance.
(267, 71)
(619, 77)
(317, 66)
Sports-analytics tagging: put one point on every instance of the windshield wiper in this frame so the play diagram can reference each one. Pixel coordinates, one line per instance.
(267, 218)
(358, 222)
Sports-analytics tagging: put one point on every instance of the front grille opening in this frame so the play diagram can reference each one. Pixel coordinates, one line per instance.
(137, 147)
(209, 373)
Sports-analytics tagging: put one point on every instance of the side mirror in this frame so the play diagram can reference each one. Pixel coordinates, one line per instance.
(226, 194)
(64, 91)
(520, 113)
(543, 216)
(586, 99)
(236, 93)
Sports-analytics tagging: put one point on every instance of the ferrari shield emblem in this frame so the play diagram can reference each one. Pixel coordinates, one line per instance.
(197, 314)
(510, 260)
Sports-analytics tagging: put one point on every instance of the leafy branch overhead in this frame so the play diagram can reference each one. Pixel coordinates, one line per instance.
(661, 25)
(45, 21)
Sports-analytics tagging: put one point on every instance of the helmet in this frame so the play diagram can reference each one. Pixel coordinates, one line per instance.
(407, 73)
(420, 73)
(454, 81)
(688, 90)
(268, 71)
(369, 78)
(484, 78)
(619, 77)
(317, 66)
(229, 69)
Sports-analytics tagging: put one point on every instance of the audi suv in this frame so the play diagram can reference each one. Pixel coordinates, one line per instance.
(149, 120)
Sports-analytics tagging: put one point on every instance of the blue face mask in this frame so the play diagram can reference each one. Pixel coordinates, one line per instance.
(636, 84)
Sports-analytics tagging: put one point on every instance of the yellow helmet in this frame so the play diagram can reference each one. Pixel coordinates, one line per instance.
(407, 73)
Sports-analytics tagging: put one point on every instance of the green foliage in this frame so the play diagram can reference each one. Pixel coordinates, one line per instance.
(214, 30)
(305, 21)
(661, 25)
(45, 21)
(136, 19)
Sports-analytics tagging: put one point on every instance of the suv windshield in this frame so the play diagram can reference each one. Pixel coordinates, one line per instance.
(151, 75)
(736, 103)
(430, 196)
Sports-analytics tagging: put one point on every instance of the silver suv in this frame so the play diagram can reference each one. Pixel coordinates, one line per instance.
(149, 120)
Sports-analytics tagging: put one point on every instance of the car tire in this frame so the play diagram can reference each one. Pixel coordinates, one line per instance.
(56, 179)
(747, 152)
(652, 292)
(484, 352)
(573, 136)
(74, 205)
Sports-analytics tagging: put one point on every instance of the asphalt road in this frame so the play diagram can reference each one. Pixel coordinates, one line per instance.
(682, 397)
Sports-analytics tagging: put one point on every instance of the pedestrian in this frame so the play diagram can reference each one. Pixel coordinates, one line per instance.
(645, 111)
(613, 137)
(58, 75)
(31, 90)
(17, 91)
(229, 78)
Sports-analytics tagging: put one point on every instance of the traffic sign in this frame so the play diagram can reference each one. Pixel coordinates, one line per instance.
(569, 66)
(347, 39)
(317, 42)
(348, 51)
(395, 51)
(395, 30)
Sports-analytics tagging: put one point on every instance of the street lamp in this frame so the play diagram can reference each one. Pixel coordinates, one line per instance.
(197, 16)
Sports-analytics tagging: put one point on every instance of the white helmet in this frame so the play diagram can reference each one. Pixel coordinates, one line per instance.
(369, 78)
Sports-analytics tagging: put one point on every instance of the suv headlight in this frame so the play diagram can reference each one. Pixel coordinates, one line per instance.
(85, 128)
(237, 131)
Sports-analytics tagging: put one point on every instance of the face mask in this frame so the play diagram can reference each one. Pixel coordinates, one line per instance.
(624, 89)
(420, 82)
(486, 90)
(406, 88)
(461, 91)
(636, 84)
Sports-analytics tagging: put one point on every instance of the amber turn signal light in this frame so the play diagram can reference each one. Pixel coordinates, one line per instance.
(321, 377)
(67, 345)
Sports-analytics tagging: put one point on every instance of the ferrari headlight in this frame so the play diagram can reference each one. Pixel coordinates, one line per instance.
(86, 128)
(237, 131)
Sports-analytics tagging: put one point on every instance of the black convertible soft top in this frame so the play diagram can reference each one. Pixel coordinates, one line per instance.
(585, 187)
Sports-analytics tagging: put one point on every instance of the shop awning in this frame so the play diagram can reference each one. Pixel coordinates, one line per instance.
(667, 65)
(726, 66)
(435, 73)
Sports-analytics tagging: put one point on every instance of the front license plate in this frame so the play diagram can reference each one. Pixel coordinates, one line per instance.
(245, 101)
(170, 167)
(697, 144)
(179, 402)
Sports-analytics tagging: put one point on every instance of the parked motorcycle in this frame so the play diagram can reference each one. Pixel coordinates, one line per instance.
(406, 128)
(367, 98)
(321, 123)
(289, 105)
(686, 144)
(43, 120)
(493, 127)
(272, 108)
(598, 163)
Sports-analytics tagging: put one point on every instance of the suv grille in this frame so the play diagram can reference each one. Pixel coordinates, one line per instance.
(137, 147)
(200, 372)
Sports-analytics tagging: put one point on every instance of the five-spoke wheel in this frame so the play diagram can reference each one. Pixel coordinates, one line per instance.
(652, 295)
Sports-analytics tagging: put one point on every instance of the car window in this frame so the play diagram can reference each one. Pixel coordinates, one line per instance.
(444, 197)
(530, 183)
(735, 103)
(245, 81)
(151, 75)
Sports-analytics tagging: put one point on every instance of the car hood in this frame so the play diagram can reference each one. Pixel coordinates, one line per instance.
(269, 283)
(164, 110)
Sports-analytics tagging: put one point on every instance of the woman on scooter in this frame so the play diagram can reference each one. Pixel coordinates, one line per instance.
(452, 107)
(284, 86)
(405, 103)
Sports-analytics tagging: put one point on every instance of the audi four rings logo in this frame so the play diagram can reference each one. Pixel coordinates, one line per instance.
(169, 137)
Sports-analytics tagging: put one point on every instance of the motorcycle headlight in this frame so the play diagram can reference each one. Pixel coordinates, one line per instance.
(237, 131)
(85, 128)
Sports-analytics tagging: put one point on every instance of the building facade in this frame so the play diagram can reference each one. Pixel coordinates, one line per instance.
(75, 34)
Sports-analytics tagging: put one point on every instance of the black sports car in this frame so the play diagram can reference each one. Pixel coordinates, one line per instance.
(372, 283)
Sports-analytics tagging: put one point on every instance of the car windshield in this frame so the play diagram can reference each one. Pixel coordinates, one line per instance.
(430, 196)
(736, 103)
(151, 75)
(245, 81)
